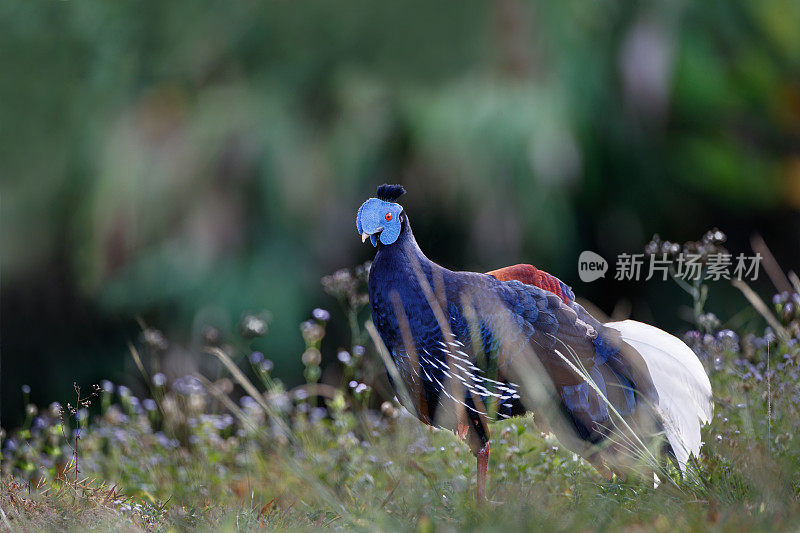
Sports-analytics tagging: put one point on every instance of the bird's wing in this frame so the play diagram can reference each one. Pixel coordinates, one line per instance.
(524, 315)
(530, 275)
(592, 369)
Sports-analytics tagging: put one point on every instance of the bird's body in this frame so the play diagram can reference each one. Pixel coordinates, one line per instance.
(471, 348)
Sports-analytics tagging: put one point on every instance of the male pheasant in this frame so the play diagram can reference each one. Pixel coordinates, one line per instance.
(470, 348)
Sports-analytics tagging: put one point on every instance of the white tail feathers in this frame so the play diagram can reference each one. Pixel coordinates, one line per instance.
(684, 392)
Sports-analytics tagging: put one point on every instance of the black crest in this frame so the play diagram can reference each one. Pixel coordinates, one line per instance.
(390, 193)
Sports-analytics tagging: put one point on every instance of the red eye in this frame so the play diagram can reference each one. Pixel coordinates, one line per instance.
(388, 216)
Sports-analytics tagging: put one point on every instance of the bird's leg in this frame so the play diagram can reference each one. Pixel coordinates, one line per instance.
(483, 466)
(599, 464)
(477, 437)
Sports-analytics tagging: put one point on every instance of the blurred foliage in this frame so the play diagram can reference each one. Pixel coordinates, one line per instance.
(189, 162)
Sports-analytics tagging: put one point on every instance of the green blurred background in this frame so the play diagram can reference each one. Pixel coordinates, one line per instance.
(185, 162)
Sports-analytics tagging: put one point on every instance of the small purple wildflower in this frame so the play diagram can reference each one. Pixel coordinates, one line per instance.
(344, 357)
(248, 402)
(188, 385)
(222, 422)
(159, 380)
(321, 314)
(300, 394)
(317, 413)
(728, 340)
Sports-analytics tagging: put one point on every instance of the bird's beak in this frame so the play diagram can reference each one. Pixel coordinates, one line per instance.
(365, 235)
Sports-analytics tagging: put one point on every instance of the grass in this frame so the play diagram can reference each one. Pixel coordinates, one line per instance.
(243, 453)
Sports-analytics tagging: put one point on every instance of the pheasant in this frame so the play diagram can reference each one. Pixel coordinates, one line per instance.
(470, 348)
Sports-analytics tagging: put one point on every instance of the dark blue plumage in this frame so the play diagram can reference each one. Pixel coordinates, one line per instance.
(470, 348)
(452, 379)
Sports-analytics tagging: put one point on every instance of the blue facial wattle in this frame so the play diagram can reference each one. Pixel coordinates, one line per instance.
(379, 219)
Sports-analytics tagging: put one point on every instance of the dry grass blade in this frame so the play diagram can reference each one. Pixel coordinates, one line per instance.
(795, 281)
(227, 402)
(390, 366)
(771, 266)
(411, 352)
(389, 496)
(761, 307)
(137, 360)
(5, 520)
(240, 377)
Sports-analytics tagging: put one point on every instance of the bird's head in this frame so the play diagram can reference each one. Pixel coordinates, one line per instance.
(380, 218)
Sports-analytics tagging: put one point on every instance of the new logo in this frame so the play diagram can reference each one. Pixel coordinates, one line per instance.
(591, 266)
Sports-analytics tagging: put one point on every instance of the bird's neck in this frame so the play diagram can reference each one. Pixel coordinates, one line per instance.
(398, 272)
(403, 253)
